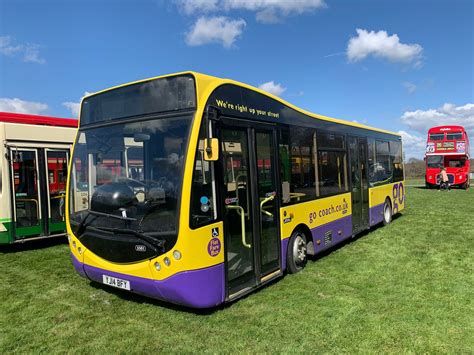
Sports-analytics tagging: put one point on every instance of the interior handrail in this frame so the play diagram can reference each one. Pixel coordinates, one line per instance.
(241, 212)
(264, 201)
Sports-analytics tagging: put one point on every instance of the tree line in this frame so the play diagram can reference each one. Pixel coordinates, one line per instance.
(415, 168)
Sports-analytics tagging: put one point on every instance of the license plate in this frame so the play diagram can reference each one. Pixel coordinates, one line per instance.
(116, 282)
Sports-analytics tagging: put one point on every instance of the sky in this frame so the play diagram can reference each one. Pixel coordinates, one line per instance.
(402, 65)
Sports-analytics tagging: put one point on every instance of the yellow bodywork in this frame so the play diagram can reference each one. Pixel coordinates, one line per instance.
(378, 195)
(193, 244)
(314, 213)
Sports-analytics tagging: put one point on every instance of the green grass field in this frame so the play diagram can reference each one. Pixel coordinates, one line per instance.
(407, 287)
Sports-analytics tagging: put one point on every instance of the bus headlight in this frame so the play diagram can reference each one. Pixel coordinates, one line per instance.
(74, 244)
(79, 250)
(177, 254)
(157, 266)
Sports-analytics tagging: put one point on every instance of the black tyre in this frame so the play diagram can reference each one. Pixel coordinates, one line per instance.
(296, 256)
(387, 212)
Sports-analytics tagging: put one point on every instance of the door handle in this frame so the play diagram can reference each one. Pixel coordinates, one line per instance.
(241, 212)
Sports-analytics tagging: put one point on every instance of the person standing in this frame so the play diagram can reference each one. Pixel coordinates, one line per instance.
(444, 180)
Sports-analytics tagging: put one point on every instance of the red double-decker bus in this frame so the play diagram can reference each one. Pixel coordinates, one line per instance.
(447, 146)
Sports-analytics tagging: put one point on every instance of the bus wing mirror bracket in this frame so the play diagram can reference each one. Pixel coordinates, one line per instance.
(211, 149)
(211, 145)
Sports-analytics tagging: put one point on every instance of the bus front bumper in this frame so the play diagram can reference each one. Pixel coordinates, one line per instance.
(203, 288)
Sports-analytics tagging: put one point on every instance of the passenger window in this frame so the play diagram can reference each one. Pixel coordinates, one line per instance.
(285, 165)
(371, 161)
(383, 166)
(396, 159)
(332, 164)
(303, 185)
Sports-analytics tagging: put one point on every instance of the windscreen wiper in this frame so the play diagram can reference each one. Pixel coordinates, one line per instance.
(83, 224)
(158, 243)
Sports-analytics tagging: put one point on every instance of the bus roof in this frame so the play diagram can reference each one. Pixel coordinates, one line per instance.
(216, 82)
(23, 118)
(442, 129)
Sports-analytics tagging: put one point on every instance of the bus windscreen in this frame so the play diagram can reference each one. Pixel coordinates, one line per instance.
(141, 99)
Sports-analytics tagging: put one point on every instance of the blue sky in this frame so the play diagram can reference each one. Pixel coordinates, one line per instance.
(399, 65)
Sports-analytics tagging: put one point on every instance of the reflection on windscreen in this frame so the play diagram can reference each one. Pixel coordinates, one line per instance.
(456, 163)
(144, 159)
(434, 161)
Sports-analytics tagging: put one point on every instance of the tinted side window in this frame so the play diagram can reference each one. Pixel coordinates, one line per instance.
(332, 172)
(329, 140)
(302, 186)
(285, 165)
(202, 199)
(397, 160)
(383, 166)
(371, 161)
(332, 164)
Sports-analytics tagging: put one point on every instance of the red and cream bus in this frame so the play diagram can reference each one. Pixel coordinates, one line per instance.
(33, 171)
(447, 146)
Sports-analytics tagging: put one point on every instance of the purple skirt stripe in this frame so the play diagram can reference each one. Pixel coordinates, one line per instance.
(203, 288)
(376, 214)
(284, 250)
(331, 233)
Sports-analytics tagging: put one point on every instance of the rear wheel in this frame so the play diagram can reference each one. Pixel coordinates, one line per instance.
(387, 212)
(297, 252)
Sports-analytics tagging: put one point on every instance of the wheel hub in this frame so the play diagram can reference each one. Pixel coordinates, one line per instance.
(299, 249)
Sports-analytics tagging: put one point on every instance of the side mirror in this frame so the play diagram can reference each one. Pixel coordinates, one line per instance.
(211, 149)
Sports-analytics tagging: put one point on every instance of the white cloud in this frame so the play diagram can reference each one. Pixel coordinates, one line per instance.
(411, 88)
(74, 107)
(448, 114)
(22, 106)
(29, 52)
(190, 7)
(267, 11)
(380, 44)
(413, 145)
(6, 46)
(272, 88)
(219, 29)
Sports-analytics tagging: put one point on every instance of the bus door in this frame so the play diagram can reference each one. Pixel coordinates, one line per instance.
(26, 199)
(250, 206)
(359, 183)
(56, 162)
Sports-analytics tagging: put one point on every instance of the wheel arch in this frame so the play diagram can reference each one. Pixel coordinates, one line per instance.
(303, 228)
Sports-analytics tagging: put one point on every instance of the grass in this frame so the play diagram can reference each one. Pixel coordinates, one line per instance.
(407, 287)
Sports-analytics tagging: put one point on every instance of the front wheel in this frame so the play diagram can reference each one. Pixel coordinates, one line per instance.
(297, 253)
(387, 212)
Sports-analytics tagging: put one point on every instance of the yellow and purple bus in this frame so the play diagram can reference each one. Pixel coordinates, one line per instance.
(197, 190)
